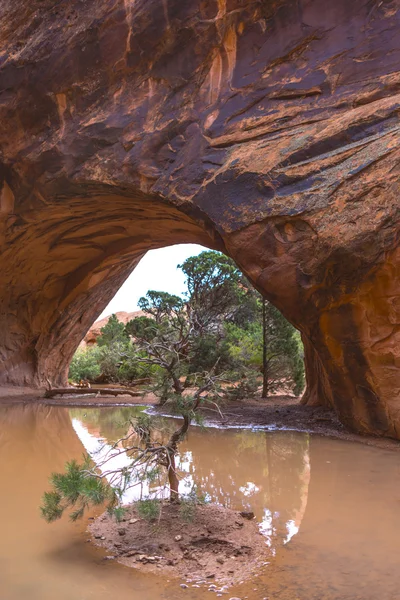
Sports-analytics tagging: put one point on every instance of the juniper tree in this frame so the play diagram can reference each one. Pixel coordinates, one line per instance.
(166, 342)
(93, 483)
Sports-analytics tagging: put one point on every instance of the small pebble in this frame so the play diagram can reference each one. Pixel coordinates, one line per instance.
(184, 586)
(178, 538)
(247, 514)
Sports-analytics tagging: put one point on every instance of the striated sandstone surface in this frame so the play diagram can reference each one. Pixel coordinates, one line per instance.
(266, 129)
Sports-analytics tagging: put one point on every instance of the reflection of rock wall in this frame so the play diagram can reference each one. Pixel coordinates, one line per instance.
(347, 545)
(268, 130)
(37, 436)
(267, 473)
(35, 441)
(353, 491)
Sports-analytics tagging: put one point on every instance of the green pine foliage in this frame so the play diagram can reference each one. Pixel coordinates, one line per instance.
(75, 489)
(113, 332)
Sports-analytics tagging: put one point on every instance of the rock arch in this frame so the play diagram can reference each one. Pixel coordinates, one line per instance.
(267, 129)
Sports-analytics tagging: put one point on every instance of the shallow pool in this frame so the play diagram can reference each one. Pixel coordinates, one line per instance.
(329, 511)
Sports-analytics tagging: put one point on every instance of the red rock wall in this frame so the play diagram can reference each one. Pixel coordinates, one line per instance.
(267, 129)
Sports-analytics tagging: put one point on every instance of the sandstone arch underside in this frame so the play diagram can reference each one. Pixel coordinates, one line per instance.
(267, 129)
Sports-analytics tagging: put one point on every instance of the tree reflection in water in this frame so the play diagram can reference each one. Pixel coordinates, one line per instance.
(266, 472)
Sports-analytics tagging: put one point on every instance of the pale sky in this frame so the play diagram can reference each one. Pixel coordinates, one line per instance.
(156, 271)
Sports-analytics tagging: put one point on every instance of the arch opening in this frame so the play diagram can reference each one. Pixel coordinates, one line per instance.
(232, 329)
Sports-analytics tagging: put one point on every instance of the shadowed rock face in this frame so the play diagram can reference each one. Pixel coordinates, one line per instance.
(265, 129)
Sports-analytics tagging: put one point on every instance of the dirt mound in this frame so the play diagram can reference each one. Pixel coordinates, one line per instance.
(218, 545)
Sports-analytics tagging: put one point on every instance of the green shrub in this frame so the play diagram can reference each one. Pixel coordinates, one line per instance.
(85, 364)
(189, 504)
(148, 509)
(118, 512)
(246, 387)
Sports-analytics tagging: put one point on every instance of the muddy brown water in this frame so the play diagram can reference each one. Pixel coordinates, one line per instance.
(329, 511)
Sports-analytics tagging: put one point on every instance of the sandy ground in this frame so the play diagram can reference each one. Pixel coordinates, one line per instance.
(278, 411)
(218, 545)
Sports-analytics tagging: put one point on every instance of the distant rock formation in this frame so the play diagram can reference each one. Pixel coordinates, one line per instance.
(95, 330)
(265, 129)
